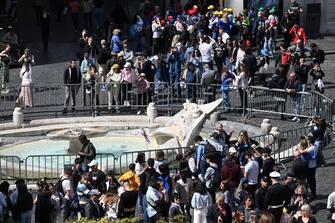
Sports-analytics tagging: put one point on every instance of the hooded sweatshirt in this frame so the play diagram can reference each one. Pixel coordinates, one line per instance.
(134, 180)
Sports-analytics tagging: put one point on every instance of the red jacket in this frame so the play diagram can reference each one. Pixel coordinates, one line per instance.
(298, 34)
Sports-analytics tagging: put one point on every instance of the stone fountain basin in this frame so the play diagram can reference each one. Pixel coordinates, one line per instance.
(88, 131)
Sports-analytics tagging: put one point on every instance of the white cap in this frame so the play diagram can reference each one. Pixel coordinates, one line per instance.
(232, 150)
(128, 64)
(274, 174)
(93, 163)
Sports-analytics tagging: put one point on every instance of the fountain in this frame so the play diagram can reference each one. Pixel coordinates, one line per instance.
(73, 134)
(184, 126)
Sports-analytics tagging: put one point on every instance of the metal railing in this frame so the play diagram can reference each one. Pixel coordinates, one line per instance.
(10, 168)
(52, 166)
(279, 101)
(168, 99)
(33, 168)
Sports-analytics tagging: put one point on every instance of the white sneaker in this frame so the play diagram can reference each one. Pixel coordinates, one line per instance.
(298, 120)
(138, 112)
(294, 119)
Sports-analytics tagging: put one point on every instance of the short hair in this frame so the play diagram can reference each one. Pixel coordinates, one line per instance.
(248, 153)
(175, 196)
(219, 196)
(132, 166)
(82, 137)
(198, 138)
(111, 173)
(151, 162)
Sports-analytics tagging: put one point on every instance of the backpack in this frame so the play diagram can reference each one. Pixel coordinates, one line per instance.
(166, 184)
(209, 148)
(214, 180)
(59, 186)
(286, 58)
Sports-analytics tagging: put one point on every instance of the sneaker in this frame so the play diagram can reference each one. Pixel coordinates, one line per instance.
(298, 120)
(294, 119)
(138, 112)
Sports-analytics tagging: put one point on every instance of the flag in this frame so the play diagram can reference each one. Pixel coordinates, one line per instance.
(144, 134)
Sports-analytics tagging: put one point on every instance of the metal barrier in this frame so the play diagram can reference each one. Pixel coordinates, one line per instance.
(52, 166)
(169, 98)
(323, 106)
(10, 168)
(279, 101)
(287, 140)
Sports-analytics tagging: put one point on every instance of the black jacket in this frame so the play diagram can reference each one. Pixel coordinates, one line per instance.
(73, 78)
(93, 211)
(214, 212)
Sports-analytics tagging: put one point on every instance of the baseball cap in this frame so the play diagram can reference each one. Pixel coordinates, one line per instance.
(93, 163)
(274, 174)
(232, 150)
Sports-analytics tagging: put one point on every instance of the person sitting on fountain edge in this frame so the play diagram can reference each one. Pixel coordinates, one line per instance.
(87, 152)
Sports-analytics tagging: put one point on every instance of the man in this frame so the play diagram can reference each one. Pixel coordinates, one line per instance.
(72, 80)
(155, 200)
(91, 49)
(294, 11)
(276, 196)
(260, 194)
(291, 183)
(220, 208)
(258, 31)
(67, 191)
(207, 52)
(268, 162)
(127, 53)
(156, 35)
(127, 202)
(251, 171)
(247, 207)
(149, 173)
(133, 180)
(201, 163)
(207, 79)
(174, 61)
(87, 152)
(93, 209)
(97, 177)
(230, 172)
(103, 56)
(212, 175)
(224, 136)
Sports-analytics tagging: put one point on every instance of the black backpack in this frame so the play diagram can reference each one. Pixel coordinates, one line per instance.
(209, 148)
(215, 178)
(59, 186)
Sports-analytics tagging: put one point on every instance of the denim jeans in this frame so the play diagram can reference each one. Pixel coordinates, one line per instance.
(226, 100)
(145, 205)
(26, 216)
(296, 105)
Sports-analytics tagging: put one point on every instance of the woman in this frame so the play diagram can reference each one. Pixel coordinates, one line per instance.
(25, 98)
(306, 215)
(140, 164)
(128, 77)
(244, 143)
(298, 199)
(22, 201)
(91, 90)
(58, 203)
(143, 92)
(109, 202)
(115, 41)
(201, 200)
(43, 205)
(318, 131)
(114, 80)
(267, 217)
(5, 204)
(242, 85)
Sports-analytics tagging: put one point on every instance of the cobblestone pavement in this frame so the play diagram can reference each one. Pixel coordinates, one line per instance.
(62, 46)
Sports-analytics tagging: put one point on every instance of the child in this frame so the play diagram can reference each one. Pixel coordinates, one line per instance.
(175, 208)
(227, 78)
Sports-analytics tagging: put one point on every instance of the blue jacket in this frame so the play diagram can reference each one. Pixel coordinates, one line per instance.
(174, 62)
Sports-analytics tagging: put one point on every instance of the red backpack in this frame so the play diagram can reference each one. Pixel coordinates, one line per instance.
(286, 58)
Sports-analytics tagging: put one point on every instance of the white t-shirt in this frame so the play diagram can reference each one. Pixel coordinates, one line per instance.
(156, 33)
(252, 169)
(206, 52)
(224, 37)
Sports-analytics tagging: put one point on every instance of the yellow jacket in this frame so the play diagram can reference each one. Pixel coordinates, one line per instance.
(134, 180)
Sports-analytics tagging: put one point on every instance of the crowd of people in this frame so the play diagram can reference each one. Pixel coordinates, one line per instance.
(184, 51)
(219, 179)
